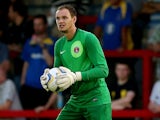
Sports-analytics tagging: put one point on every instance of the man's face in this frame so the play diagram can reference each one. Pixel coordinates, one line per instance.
(122, 71)
(115, 2)
(39, 26)
(11, 13)
(64, 20)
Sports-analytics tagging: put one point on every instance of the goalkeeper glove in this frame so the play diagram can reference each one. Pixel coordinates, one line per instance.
(64, 81)
(44, 79)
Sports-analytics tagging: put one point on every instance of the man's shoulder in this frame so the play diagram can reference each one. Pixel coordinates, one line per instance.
(28, 42)
(9, 84)
(157, 84)
(60, 41)
(50, 40)
(85, 33)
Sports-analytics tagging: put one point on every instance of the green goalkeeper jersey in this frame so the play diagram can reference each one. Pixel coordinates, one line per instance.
(83, 53)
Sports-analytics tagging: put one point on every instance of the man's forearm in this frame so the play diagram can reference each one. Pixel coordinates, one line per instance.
(120, 101)
(116, 106)
(124, 37)
(51, 100)
(6, 105)
(48, 58)
(121, 104)
(94, 73)
(98, 32)
(24, 71)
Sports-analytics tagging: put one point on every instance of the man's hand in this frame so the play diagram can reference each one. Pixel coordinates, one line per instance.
(154, 107)
(65, 80)
(39, 109)
(44, 79)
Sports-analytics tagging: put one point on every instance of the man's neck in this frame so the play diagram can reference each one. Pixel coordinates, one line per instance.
(122, 81)
(70, 34)
(116, 4)
(44, 35)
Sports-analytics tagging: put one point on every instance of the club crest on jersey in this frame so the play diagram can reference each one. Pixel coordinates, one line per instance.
(76, 49)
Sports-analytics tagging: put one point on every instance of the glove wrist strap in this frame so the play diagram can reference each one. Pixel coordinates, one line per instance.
(78, 76)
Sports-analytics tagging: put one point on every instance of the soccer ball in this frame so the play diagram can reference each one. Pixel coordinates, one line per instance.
(51, 77)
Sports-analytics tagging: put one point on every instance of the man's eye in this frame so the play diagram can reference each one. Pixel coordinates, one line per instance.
(57, 18)
(64, 17)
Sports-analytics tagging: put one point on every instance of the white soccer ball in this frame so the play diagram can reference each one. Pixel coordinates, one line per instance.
(51, 76)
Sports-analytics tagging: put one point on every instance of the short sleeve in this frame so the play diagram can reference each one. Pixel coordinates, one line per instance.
(9, 91)
(155, 94)
(126, 21)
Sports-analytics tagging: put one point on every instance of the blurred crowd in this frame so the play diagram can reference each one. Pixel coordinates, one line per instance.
(27, 48)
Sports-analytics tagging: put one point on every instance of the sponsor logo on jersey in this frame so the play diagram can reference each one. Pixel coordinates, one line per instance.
(95, 99)
(110, 28)
(76, 49)
(37, 56)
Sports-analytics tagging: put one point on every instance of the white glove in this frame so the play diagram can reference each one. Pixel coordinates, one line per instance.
(44, 79)
(65, 80)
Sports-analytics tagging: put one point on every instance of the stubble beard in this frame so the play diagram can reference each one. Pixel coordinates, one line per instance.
(64, 31)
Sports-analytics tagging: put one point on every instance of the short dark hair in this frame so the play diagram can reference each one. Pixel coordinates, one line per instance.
(126, 61)
(41, 16)
(70, 8)
(20, 8)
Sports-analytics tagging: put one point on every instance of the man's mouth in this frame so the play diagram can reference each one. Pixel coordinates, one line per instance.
(61, 26)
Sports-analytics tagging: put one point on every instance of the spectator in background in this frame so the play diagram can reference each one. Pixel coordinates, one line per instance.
(37, 55)
(152, 8)
(19, 29)
(4, 7)
(154, 45)
(113, 28)
(154, 104)
(9, 99)
(20, 26)
(116, 29)
(123, 89)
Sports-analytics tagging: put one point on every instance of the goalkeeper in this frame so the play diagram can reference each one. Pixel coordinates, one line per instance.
(82, 58)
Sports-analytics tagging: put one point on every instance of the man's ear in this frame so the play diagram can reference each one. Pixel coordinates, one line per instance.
(74, 19)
